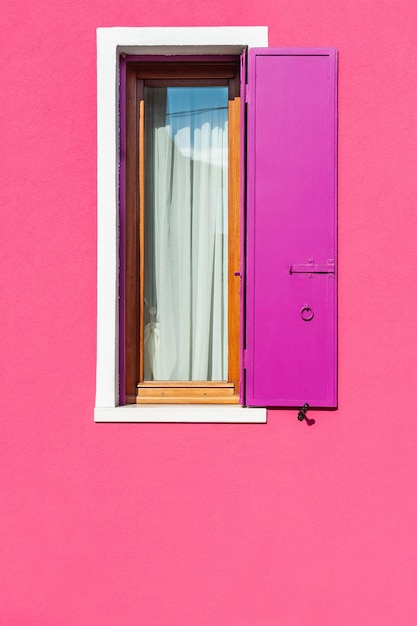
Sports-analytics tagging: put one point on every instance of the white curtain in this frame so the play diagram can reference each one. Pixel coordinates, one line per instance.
(186, 235)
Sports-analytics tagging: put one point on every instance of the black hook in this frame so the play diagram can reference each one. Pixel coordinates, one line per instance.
(302, 412)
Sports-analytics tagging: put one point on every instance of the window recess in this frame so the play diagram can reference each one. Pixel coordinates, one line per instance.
(181, 293)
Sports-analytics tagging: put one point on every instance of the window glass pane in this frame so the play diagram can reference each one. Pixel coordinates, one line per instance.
(186, 206)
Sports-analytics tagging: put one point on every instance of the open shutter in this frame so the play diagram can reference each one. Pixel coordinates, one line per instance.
(290, 355)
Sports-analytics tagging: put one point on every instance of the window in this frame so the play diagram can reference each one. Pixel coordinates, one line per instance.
(181, 237)
(275, 338)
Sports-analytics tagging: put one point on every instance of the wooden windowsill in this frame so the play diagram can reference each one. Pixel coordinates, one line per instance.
(187, 400)
(186, 392)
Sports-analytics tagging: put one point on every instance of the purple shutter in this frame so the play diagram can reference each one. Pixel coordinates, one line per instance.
(290, 355)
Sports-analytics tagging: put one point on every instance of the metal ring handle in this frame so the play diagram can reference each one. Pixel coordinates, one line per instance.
(307, 313)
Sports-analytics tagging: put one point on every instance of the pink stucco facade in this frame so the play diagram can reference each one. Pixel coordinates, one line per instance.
(204, 525)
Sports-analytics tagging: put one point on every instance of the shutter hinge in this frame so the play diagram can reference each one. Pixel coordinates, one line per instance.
(246, 94)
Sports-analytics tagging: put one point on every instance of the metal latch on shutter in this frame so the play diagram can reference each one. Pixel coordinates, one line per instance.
(313, 268)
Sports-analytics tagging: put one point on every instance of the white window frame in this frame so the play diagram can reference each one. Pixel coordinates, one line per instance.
(111, 43)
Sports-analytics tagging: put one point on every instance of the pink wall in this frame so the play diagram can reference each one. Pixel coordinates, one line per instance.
(118, 525)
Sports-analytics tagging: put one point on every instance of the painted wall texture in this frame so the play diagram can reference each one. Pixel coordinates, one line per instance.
(207, 525)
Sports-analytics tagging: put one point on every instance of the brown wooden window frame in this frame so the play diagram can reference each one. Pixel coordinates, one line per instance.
(178, 72)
